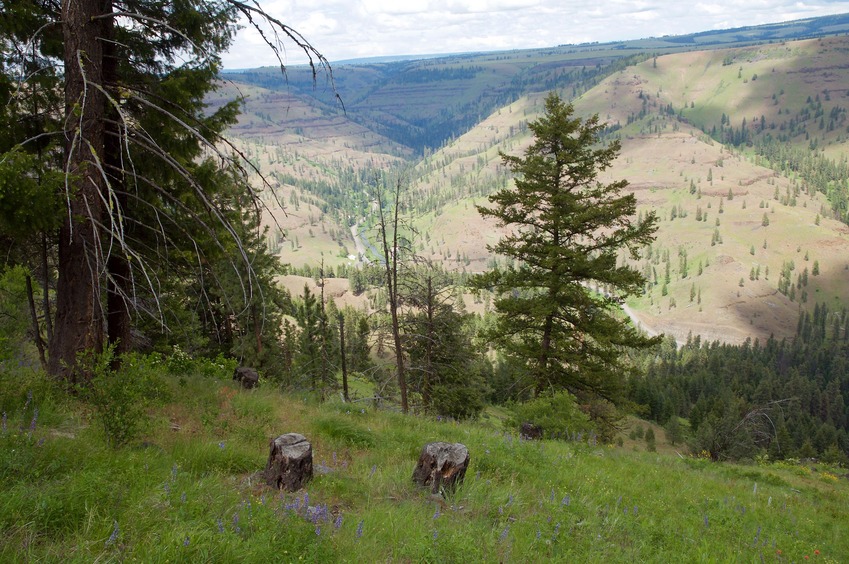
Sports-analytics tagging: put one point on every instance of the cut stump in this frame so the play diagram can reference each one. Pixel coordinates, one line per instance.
(289, 462)
(442, 466)
(530, 432)
(248, 377)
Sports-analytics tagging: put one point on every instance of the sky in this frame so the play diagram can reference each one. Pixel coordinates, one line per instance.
(351, 29)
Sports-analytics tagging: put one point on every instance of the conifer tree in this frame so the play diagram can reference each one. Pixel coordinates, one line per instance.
(565, 229)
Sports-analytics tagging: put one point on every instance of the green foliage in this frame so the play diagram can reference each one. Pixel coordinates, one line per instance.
(557, 414)
(120, 398)
(566, 231)
(15, 319)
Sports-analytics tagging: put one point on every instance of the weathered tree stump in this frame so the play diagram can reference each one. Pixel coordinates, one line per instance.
(442, 466)
(530, 432)
(289, 462)
(248, 377)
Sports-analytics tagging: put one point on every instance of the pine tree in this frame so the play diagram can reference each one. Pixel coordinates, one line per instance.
(137, 138)
(566, 229)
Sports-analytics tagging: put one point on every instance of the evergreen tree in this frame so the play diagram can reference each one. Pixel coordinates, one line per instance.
(566, 229)
(137, 135)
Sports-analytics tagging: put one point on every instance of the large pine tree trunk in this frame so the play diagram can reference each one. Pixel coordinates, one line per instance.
(79, 312)
(119, 284)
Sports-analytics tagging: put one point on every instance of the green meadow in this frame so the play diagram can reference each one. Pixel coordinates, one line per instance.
(188, 487)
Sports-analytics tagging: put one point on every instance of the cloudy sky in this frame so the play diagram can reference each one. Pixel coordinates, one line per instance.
(348, 29)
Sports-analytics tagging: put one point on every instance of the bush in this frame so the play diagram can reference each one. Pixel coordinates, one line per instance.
(557, 414)
(120, 398)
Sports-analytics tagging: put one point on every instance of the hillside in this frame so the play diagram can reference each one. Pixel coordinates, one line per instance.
(702, 136)
(189, 487)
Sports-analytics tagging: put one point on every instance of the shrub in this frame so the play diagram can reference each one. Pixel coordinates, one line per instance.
(557, 414)
(120, 398)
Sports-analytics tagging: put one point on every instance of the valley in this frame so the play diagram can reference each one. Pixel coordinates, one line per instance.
(740, 236)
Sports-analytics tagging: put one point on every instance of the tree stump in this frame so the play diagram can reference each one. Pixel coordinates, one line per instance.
(289, 462)
(248, 377)
(442, 466)
(530, 432)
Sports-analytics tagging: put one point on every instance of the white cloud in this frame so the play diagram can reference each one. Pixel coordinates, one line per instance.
(344, 29)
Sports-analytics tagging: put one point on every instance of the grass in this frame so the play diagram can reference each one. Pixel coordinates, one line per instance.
(191, 490)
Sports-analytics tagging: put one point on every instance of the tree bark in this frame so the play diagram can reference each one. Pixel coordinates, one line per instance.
(342, 353)
(119, 280)
(79, 311)
(36, 330)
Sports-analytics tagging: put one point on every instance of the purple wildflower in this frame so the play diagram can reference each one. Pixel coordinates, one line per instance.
(436, 513)
(186, 541)
(4, 421)
(334, 458)
(338, 522)
(236, 526)
(566, 500)
(318, 530)
(114, 536)
(435, 534)
(551, 497)
(707, 523)
(360, 529)
(373, 470)
(556, 529)
(635, 510)
(40, 441)
(34, 421)
(220, 524)
(539, 534)
(29, 399)
(174, 472)
(183, 497)
(510, 499)
(221, 445)
(503, 536)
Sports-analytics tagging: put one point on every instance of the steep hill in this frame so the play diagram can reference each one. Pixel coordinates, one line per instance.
(740, 151)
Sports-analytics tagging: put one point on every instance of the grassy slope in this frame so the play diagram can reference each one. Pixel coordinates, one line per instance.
(191, 492)
(661, 156)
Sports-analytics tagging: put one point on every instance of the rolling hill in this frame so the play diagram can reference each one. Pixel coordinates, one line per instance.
(740, 150)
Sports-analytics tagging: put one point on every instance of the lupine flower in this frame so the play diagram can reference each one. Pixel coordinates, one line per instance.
(539, 534)
(436, 513)
(706, 521)
(565, 501)
(317, 530)
(551, 497)
(183, 497)
(220, 524)
(503, 536)
(635, 510)
(40, 441)
(114, 536)
(186, 542)
(435, 534)
(4, 422)
(510, 499)
(556, 529)
(334, 458)
(338, 522)
(236, 526)
(360, 529)
(174, 472)
(34, 420)
(373, 470)
(221, 445)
